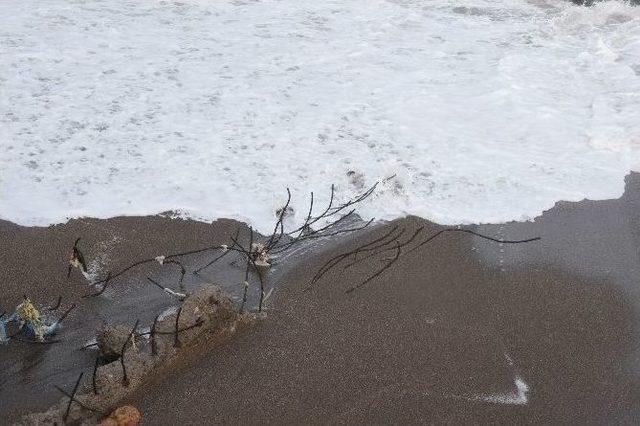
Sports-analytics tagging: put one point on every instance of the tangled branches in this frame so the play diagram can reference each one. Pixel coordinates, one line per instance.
(258, 253)
(393, 241)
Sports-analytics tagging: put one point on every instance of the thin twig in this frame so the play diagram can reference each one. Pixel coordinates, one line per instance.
(176, 333)
(66, 313)
(72, 397)
(319, 231)
(176, 340)
(245, 293)
(125, 378)
(246, 271)
(167, 290)
(104, 287)
(337, 259)
(154, 260)
(197, 324)
(183, 271)
(250, 257)
(95, 374)
(305, 226)
(154, 348)
(319, 217)
(406, 243)
(279, 223)
(378, 246)
(56, 306)
(226, 251)
(354, 201)
(467, 231)
(273, 246)
(384, 268)
(316, 235)
(81, 404)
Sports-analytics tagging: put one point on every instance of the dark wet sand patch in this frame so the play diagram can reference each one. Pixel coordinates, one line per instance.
(462, 331)
(447, 335)
(34, 263)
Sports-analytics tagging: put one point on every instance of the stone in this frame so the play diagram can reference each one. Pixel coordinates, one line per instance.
(208, 304)
(127, 415)
(111, 340)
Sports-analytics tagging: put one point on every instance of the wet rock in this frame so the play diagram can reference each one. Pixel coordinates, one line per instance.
(209, 305)
(206, 317)
(112, 339)
(123, 416)
(206, 311)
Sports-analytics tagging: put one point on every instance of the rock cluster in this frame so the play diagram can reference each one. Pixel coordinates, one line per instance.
(204, 317)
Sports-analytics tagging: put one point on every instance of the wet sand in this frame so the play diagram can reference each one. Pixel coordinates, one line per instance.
(34, 263)
(461, 331)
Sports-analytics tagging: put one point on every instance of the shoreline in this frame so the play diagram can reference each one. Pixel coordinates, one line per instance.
(35, 264)
(465, 330)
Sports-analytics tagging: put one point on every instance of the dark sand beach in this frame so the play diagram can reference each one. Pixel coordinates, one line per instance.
(443, 336)
(460, 331)
(34, 263)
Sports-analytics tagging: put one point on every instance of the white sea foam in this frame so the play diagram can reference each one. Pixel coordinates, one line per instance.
(517, 397)
(486, 110)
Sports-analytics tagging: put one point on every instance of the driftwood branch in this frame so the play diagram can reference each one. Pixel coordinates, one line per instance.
(332, 218)
(392, 240)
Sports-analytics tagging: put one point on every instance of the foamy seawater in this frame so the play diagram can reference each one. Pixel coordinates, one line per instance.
(485, 111)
